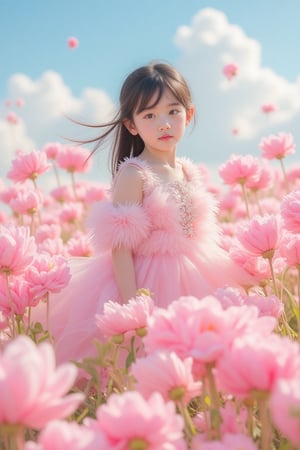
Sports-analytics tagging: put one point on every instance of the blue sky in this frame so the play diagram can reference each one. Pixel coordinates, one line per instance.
(116, 36)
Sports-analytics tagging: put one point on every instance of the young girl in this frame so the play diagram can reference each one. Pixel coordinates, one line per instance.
(158, 229)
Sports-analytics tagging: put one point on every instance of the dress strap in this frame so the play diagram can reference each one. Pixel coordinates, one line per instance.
(142, 166)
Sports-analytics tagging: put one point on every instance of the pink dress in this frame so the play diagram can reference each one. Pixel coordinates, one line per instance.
(174, 239)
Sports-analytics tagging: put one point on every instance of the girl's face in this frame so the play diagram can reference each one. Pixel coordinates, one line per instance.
(162, 126)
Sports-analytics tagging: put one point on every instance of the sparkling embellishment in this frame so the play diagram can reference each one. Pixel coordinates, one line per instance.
(180, 193)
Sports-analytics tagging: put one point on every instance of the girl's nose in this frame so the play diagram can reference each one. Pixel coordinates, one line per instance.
(164, 126)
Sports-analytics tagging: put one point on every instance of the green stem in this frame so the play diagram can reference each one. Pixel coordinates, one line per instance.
(284, 175)
(266, 430)
(215, 402)
(245, 199)
(74, 185)
(48, 318)
(189, 425)
(12, 306)
(273, 275)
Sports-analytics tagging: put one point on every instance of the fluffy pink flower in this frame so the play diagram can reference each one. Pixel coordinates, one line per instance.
(32, 390)
(15, 297)
(73, 42)
(47, 274)
(260, 236)
(285, 408)
(118, 319)
(46, 231)
(229, 441)
(17, 249)
(267, 306)
(261, 180)
(239, 169)
(268, 108)
(80, 245)
(27, 202)
(166, 373)
(189, 327)
(28, 166)
(74, 159)
(52, 149)
(254, 265)
(63, 194)
(71, 212)
(290, 211)
(130, 421)
(52, 246)
(60, 435)
(254, 364)
(230, 71)
(277, 147)
(290, 249)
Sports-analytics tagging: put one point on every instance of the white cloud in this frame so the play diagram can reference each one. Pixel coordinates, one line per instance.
(206, 44)
(48, 103)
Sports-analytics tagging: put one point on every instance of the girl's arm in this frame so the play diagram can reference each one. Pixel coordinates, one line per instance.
(128, 189)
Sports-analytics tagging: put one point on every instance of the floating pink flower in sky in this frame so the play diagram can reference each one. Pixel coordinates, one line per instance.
(129, 421)
(73, 42)
(12, 118)
(166, 373)
(239, 169)
(28, 166)
(74, 159)
(32, 390)
(285, 408)
(290, 211)
(20, 102)
(268, 108)
(277, 146)
(17, 249)
(230, 71)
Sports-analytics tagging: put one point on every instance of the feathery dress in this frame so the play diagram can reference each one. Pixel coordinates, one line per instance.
(173, 236)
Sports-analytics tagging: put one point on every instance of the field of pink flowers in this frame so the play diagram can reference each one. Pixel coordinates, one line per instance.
(217, 373)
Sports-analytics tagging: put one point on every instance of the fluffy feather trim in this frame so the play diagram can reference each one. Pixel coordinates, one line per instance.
(119, 226)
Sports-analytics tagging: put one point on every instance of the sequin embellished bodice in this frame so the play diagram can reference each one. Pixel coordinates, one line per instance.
(180, 192)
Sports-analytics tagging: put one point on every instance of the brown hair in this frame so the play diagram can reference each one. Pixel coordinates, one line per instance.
(136, 93)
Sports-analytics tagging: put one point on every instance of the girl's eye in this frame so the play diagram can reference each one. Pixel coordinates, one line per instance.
(174, 112)
(149, 116)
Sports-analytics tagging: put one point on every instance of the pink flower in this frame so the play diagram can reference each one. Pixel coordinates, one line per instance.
(52, 149)
(60, 435)
(17, 249)
(268, 108)
(277, 147)
(27, 202)
(73, 42)
(46, 231)
(285, 408)
(32, 390)
(230, 71)
(254, 364)
(28, 166)
(15, 297)
(118, 319)
(229, 441)
(260, 236)
(267, 306)
(74, 159)
(166, 373)
(12, 118)
(189, 327)
(79, 245)
(290, 249)
(71, 212)
(290, 211)
(130, 421)
(261, 180)
(254, 265)
(20, 102)
(47, 274)
(239, 169)
(63, 194)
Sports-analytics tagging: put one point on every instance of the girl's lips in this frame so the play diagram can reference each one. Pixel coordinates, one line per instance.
(166, 137)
